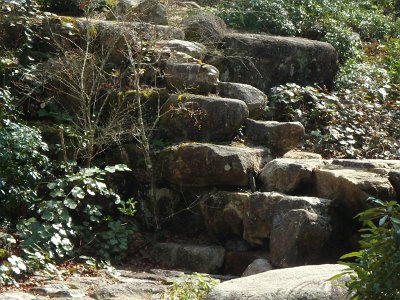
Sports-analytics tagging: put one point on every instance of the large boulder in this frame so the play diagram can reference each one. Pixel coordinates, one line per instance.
(289, 176)
(192, 77)
(301, 283)
(255, 99)
(280, 137)
(202, 118)
(205, 259)
(350, 188)
(301, 230)
(207, 165)
(259, 265)
(205, 28)
(223, 214)
(266, 61)
(151, 11)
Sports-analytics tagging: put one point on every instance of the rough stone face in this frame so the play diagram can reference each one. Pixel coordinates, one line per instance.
(350, 188)
(195, 50)
(280, 137)
(198, 78)
(259, 265)
(258, 214)
(205, 259)
(223, 214)
(205, 28)
(151, 11)
(394, 178)
(203, 165)
(288, 176)
(301, 283)
(267, 61)
(202, 118)
(255, 99)
(300, 231)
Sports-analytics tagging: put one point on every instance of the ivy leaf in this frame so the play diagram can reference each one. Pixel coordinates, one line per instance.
(48, 215)
(77, 192)
(70, 203)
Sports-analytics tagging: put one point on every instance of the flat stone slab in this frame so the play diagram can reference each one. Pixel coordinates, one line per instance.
(207, 165)
(280, 137)
(300, 283)
(202, 118)
(286, 175)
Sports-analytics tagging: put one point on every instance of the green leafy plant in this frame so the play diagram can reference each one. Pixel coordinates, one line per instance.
(194, 287)
(374, 273)
(356, 121)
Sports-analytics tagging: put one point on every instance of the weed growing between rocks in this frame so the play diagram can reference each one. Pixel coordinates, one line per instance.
(195, 287)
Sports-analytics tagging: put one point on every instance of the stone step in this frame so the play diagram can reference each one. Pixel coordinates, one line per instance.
(191, 117)
(194, 258)
(349, 183)
(255, 99)
(193, 49)
(280, 137)
(191, 77)
(209, 165)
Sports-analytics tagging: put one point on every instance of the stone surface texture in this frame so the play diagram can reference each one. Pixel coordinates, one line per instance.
(204, 27)
(223, 214)
(202, 118)
(255, 99)
(266, 61)
(301, 283)
(193, 77)
(259, 265)
(207, 165)
(280, 137)
(205, 259)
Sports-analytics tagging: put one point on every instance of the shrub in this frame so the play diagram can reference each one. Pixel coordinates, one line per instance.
(346, 42)
(258, 15)
(195, 287)
(22, 164)
(351, 123)
(374, 274)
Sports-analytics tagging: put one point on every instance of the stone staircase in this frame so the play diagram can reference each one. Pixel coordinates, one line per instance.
(230, 168)
(232, 171)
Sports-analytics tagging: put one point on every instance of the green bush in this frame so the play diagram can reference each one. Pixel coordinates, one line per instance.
(22, 164)
(258, 15)
(374, 274)
(346, 42)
